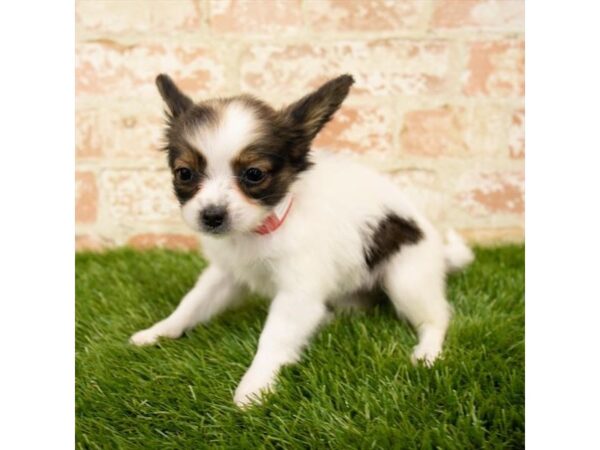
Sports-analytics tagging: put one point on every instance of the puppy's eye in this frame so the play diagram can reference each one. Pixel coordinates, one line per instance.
(253, 175)
(184, 174)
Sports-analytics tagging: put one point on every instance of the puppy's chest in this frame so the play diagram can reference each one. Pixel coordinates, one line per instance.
(251, 264)
(258, 277)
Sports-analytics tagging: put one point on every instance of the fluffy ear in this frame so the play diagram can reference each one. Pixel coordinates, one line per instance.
(176, 100)
(313, 111)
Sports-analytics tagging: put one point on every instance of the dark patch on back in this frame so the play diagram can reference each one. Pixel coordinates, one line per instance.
(388, 237)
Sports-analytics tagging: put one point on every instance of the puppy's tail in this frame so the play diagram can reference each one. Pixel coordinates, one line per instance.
(456, 252)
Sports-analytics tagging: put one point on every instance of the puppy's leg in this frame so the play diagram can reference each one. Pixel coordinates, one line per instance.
(293, 318)
(414, 280)
(213, 292)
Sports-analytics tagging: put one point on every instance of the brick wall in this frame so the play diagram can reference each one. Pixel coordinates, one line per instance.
(438, 103)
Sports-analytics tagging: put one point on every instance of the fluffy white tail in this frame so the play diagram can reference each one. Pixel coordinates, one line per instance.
(456, 252)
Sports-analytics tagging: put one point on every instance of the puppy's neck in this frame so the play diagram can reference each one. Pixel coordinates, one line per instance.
(277, 216)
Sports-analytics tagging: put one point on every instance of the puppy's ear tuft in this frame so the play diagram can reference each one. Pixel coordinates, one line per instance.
(313, 111)
(176, 100)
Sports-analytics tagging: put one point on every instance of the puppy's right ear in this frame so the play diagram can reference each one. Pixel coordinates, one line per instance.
(176, 100)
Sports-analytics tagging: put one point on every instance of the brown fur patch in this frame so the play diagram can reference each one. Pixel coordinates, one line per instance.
(272, 152)
(314, 110)
(281, 150)
(195, 162)
(279, 173)
(176, 100)
(181, 154)
(391, 233)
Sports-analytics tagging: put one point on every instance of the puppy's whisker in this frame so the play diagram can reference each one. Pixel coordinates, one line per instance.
(266, 197)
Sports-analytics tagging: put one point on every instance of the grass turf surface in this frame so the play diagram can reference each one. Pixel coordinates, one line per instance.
(354, 388)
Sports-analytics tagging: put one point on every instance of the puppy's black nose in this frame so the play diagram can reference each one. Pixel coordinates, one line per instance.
(213, 216)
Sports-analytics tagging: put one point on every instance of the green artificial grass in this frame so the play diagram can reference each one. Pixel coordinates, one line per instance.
(354, 388)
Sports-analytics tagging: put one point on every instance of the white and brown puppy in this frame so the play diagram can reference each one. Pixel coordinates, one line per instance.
(308, 230)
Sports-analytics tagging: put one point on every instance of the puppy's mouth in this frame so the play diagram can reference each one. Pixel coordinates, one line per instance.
(215, 231)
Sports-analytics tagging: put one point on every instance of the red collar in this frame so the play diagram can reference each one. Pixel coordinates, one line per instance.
(276, 218)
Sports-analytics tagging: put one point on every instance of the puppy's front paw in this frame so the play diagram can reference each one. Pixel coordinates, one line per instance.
(144, 337)
(251, 389)
(425, 354)
(150, 336)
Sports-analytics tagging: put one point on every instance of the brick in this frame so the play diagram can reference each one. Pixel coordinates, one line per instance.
(251, 16)
(516, 136)
(119, 131)
(435, 132)
(284, 71)
(455, 131)
(164, 240)
(88, 135)
(107, 67)
(419, 68)
(494, 235)
(496, 69)
(132, 197)
(366, 15)
(122, 16)
(86, 242)
(422, 186)
(357, 129)
(493, 192)
(86, 197)
(119, 113)
(486, 130)
(480, 15)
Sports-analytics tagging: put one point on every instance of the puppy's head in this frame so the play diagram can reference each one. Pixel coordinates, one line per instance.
(233, 160)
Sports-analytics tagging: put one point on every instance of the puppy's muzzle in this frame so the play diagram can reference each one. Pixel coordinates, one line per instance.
(214, 219)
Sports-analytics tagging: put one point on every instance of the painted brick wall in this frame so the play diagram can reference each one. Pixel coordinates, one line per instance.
(438, 103)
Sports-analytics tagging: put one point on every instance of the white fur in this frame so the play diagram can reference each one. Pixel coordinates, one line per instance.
(220, 145)
(457, 253)
(213, 292)
(315, 258)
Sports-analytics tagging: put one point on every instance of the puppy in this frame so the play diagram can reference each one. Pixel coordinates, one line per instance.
(309, 230)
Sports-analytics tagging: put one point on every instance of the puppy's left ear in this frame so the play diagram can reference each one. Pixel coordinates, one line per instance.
(309, 114)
